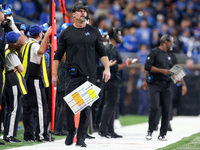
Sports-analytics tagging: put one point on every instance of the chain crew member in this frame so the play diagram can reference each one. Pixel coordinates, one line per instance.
(15, 87)
(35, 73)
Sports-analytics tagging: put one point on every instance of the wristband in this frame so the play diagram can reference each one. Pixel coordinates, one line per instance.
(126, 63)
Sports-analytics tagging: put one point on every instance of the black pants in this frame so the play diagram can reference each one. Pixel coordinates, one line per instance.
(72, 83)
(159, 96)
(97, 108)
(12, 110)
(176, 95)
(35, 110)
(112, 93)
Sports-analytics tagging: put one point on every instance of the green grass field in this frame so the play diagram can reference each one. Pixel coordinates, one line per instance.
(187, 143)
(132, 119)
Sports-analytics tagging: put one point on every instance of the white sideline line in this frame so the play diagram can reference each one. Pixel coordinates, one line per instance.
(133, 137)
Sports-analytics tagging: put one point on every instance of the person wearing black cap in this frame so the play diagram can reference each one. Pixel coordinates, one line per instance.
(81, 42)
(158, 64)
(15, 87)
(35, 74)
(112, 87)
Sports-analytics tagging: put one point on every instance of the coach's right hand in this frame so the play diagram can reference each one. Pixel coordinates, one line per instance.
(106, 75)
(166, 72)
(55, 79)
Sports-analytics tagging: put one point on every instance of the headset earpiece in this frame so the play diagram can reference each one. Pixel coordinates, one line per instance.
(168, 37)
(87, 16)
(114, 34)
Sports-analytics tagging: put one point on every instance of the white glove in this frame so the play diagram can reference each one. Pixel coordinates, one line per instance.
(11, 24)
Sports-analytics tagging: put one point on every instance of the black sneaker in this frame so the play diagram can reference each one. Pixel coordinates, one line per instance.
(162, 138)
(63, 132)
(29, 140)
(2, 143)
(56, 132)
(47, 139)
(81, 143)
(6, 139)
(149, 135)
(38, 140)
(115, 135)
(70, 138)
(169, 127)
(89, 137)
(106, 135)
(11, 139)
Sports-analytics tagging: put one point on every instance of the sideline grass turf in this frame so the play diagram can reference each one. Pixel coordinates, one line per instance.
(187, 143)
(132, 119)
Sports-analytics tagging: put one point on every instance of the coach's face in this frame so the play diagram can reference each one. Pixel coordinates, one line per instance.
(80, 15)
(170, 44)
(119, 36)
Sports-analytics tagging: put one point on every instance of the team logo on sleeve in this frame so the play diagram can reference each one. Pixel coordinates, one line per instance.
(87, 33)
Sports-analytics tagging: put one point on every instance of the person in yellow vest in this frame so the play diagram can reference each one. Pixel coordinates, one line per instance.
(35, 105)
(15, 87)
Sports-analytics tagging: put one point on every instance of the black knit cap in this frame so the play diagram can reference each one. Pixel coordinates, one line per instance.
(77, 7)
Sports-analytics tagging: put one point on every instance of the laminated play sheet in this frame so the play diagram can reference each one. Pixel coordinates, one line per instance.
(83, 96)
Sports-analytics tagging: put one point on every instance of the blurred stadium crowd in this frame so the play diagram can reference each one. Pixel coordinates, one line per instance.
(143, 21)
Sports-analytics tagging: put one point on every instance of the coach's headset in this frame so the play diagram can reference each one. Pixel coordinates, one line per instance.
(77, 7)
(113, 33)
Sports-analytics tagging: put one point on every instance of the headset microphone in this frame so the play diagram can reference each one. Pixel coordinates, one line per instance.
(87, 17)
